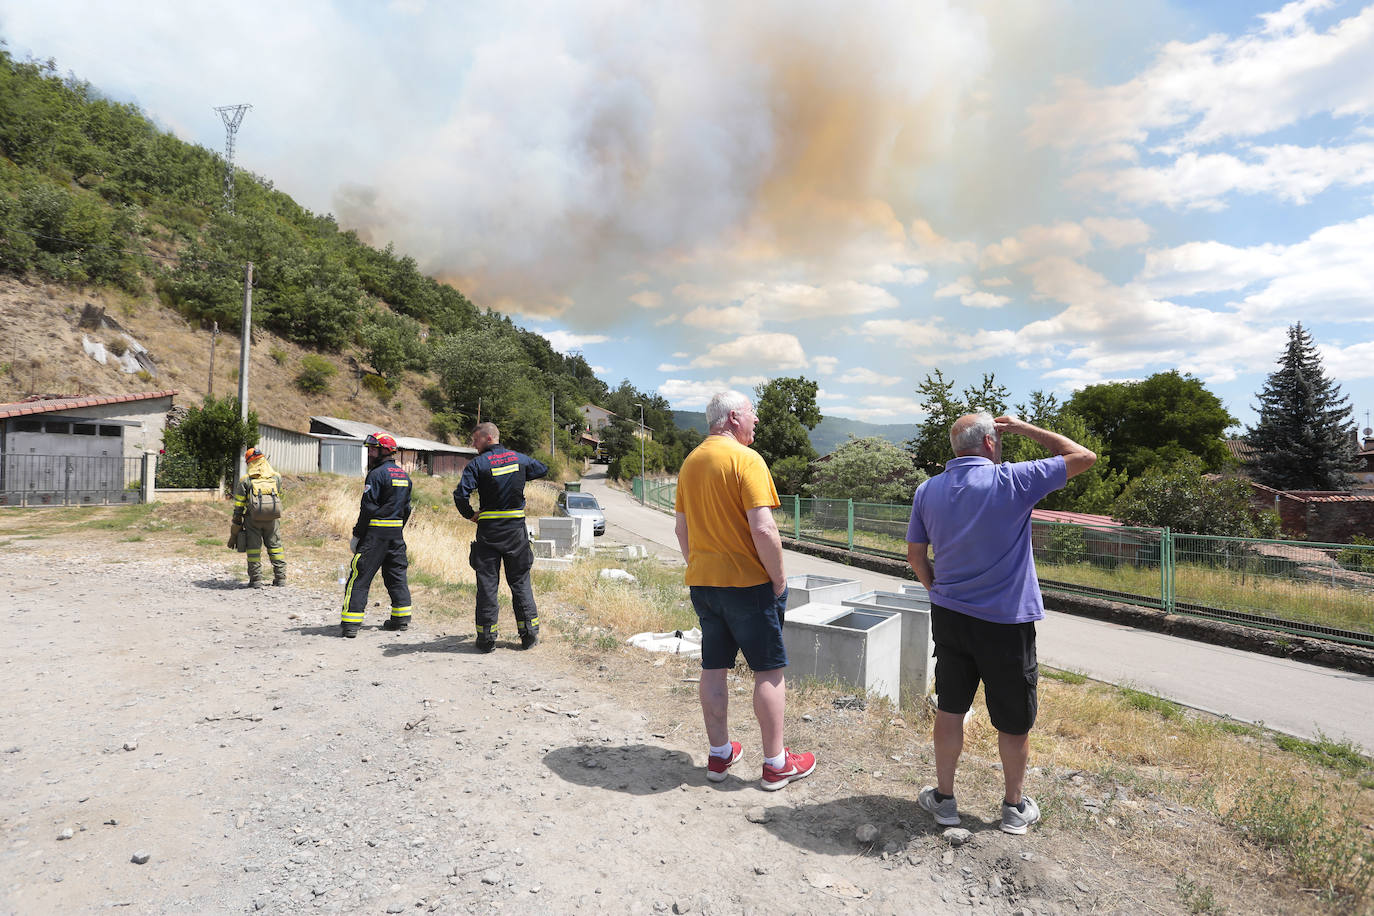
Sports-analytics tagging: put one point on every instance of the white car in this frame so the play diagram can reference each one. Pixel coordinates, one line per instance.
(582, 505)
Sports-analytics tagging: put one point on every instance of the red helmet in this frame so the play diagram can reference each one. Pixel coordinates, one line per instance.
(382, 441)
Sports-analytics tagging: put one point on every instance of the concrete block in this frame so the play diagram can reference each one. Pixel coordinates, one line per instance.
(819, 589)
(861, 648)
(586, 533)
(918, 649)
(542, 548)
(557, 526)
(555, 563)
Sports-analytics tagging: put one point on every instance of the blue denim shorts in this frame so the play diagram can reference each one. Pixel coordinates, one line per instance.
(735, 620)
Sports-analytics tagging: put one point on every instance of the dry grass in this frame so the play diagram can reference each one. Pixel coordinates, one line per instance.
(1228, 809)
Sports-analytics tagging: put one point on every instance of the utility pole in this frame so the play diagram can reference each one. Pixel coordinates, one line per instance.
(245, 344)
(232, 116)
(643, 484)
(214, 335)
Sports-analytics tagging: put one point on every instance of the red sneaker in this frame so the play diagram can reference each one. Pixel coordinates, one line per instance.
(795, 766)
(716, 766)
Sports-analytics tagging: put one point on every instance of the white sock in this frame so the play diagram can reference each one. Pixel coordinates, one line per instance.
(777, 762)
(723, 752)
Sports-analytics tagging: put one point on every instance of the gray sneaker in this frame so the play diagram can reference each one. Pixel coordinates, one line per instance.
(946, 813)
(1016, 822)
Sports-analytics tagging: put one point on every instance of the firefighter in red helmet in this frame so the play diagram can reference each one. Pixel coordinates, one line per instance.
(379, 539)
(257, 514)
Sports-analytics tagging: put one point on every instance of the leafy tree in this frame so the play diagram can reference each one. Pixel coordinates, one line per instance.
(870, 469)
(790, 474)
(1182, 497)
(787, 410)
(1156, 422)
(1305, 438)
(391, 343)
(930, 448)
(626, 466)
(1095, 489)
(214, 436)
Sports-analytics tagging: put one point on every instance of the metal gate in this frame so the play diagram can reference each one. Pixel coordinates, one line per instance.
(69, 480)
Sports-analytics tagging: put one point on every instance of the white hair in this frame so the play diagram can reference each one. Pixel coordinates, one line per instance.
(970, 438)
(722, 402)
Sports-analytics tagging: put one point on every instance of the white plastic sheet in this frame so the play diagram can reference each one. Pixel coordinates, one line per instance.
(676, 642)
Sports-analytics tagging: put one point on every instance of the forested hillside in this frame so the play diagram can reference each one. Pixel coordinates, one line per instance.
(829, 434)
(97, 203)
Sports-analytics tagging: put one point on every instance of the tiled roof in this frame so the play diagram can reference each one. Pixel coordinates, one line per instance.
(1074, 518)
(36, 404)
(1241, 450)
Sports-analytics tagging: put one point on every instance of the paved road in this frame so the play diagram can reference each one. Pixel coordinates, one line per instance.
(1288, 696)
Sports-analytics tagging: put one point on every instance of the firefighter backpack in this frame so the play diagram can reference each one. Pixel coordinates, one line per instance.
(264, 499)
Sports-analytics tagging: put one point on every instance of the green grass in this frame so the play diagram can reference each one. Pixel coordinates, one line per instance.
(1198, 899)
(1147, 702)
(1325, 846)
(1344, 756)
(209, 542)
(1067, 677)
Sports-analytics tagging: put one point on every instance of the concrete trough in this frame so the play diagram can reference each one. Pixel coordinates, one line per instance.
(918, 590)
(918, 648)
(857, 647)
(808, 589)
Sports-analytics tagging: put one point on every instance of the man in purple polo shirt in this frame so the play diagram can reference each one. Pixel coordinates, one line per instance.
(984, 596)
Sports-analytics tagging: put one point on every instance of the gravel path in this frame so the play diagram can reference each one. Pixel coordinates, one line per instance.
(261, 764)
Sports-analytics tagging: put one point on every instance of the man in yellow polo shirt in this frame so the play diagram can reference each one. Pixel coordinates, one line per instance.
(725, 528)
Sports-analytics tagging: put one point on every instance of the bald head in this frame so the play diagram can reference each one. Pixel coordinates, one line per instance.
(970, 435)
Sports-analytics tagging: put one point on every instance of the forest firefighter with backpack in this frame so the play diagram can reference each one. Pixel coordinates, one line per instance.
(379, 539)
(257, 518)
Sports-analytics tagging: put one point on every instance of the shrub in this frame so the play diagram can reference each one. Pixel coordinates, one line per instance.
(278, 355)
(1066, 545)
(315, 374)
(378, 386)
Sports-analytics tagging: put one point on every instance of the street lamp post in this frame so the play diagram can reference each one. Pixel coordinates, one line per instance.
(642, 482)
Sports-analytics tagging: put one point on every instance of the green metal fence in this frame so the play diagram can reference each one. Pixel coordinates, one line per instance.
(1296, 586)
(1322, 590)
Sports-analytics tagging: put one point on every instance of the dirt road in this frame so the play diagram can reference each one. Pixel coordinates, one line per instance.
(263, 764)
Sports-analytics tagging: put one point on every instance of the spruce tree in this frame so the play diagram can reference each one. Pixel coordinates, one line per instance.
(1305, 438)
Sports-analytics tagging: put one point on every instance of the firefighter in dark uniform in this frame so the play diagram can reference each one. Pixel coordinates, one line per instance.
(498, 477)
(379, 539)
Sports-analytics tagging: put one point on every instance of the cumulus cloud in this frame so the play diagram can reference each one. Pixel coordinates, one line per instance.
(984, 300)
(824, 365)
(1292, 173)
(765, 351)
(865, 376)
(1328, 273)
(566, 342)
(1222, 87)
(647, 299)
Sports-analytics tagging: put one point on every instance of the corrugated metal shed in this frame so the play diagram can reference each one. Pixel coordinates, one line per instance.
(342, 455)
(289, 451)
(424, 456)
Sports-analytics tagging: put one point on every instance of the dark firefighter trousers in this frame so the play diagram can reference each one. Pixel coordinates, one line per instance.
(384, 550)
(257, 536)
(503, 541)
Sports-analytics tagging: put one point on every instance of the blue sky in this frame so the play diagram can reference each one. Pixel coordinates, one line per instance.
(713, 194)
